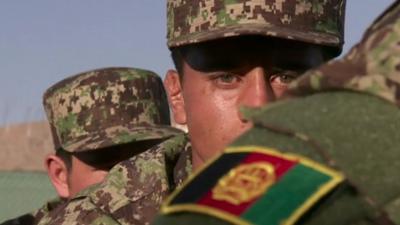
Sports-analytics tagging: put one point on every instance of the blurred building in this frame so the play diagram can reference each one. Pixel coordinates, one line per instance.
(24, 146)
(23, 183)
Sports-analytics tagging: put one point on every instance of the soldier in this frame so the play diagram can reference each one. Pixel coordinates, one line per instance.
(235, 53)
(134, 188)
(98, 119)
(327, 155)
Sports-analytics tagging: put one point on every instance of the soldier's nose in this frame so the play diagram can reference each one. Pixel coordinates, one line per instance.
(258, 91)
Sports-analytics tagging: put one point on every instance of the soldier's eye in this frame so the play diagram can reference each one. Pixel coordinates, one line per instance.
(283, 77)
(226, 80)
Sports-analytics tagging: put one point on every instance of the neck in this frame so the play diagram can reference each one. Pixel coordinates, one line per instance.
(197, 160)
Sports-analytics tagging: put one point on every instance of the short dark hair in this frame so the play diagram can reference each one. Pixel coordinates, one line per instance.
(66, 157)
(177, 59)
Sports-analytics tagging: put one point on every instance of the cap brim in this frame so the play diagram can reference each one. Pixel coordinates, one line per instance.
(120, 135)
(313, 37)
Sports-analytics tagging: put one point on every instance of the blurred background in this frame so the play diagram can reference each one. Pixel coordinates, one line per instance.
(44, 41)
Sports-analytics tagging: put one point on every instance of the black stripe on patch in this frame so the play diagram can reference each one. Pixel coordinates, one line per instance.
(208, 178)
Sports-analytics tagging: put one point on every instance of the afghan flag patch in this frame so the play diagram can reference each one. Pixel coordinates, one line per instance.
(255, 185)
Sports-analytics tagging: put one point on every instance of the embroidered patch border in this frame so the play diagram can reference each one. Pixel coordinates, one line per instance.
(246, 210)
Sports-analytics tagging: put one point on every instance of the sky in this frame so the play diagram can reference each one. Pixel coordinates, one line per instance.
(45, 41)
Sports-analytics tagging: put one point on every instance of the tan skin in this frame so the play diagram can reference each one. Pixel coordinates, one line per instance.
(209, 98)
(69, 182)
(88, 168)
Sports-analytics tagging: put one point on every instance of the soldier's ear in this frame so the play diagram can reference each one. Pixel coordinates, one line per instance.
(57, 171)
(175, 97)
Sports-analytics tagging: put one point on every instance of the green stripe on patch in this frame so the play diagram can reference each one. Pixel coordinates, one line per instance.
(289, 194)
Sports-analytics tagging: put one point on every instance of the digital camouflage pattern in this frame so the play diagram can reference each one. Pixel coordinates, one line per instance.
(345, 115)
(46, 209)
(372, 66)
(313, 21)
(133, 190)
(105, 107)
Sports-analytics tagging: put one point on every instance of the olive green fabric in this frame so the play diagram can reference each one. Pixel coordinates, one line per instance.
(22, 192)
(393, 209)
(357, 132)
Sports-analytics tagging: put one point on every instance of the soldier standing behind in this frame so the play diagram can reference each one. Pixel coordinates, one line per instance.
(98, 119)
(135, 107)
(328, 155)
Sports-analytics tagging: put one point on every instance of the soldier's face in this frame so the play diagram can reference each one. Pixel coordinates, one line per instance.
(88, 168)
(69, 180)
(220, 77)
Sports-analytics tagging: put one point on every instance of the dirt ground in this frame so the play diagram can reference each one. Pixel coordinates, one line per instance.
(24, 146)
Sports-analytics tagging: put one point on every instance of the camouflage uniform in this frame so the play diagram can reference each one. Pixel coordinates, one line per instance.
(102, 110)
(327, 154)
(317, 22)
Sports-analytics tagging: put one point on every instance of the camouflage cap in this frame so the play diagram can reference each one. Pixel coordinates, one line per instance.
(313, 21)
(105, 107)
(372, 66)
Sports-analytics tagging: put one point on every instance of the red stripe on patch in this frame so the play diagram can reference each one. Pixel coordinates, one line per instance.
(281, 166)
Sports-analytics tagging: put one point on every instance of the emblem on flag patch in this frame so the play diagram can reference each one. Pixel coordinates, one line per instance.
(244, 183)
